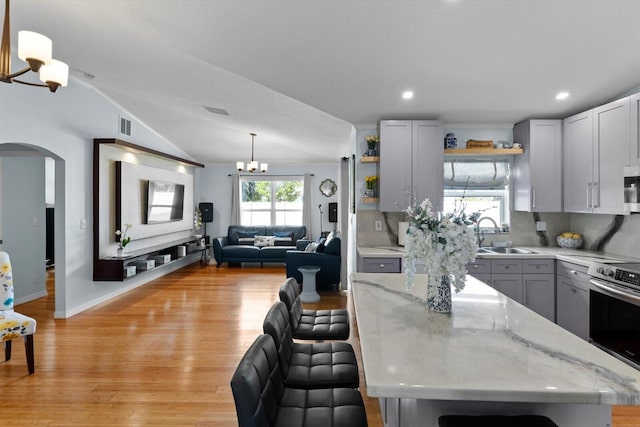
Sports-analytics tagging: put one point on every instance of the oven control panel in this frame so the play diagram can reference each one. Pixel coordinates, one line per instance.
(627, 277)
(624, 276)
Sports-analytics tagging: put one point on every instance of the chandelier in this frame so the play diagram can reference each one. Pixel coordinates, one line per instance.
(252, 166)
(34, 49)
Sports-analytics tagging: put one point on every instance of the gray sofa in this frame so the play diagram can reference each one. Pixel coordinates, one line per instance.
(241, 244)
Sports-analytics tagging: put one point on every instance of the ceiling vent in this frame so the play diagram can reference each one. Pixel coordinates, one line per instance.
(125, 126)
(214, 110)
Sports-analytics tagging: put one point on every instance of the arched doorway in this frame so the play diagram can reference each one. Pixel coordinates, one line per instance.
(9, 190)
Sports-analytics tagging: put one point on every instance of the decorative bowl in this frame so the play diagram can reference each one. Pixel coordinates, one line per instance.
(569, 242)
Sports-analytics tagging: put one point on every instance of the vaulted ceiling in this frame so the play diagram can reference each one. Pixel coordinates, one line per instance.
(301, 73)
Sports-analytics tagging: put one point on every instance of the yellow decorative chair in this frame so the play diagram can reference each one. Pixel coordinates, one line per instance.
(13, 325)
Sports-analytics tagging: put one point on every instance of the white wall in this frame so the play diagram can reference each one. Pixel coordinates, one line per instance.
(65, 124)
(24, 224)
(215, 186)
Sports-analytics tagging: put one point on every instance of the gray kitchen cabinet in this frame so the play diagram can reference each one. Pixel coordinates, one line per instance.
(411, 164)
(538, 171)
(380, 265)
(596, 148)
(611, 138)
(634, 135)
(577, 162)
(539, 292)
(572, 297)
(539, 286)
(508, 284)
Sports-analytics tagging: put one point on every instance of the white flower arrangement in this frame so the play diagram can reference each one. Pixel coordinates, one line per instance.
(124, 240)
(444, 242)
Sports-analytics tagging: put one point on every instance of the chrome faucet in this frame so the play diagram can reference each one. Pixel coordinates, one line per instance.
(480, 235)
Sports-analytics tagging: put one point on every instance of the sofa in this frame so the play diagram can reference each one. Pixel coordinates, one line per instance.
(249, 243)
(326, 256)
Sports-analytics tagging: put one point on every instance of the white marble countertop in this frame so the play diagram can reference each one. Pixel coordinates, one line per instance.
(579, 256)
(489, 348)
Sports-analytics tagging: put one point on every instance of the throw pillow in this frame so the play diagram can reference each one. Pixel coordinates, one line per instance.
(311, 247)
(245, 234)
(283, 241)
(320, 248)
(283, 234)
(332, 247)
(265, 241)
(245, 241)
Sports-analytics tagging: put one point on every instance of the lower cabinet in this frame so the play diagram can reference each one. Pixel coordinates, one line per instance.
(380, 265)
(530, 282)
(573, 298)
(508, 284)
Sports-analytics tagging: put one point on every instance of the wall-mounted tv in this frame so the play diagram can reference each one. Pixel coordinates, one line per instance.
(165, 202)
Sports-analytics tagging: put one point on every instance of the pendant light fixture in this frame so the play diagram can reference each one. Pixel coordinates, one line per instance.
(34, 49)
(252, 166)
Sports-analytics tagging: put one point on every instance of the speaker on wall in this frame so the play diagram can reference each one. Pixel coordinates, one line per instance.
(333, 212)
(206, 209)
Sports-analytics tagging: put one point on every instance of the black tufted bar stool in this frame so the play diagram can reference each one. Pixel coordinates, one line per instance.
(262, 399)
(495, 421)
(319, 325)
(310, 366)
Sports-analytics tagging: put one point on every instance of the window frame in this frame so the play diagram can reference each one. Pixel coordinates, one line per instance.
(273, 211)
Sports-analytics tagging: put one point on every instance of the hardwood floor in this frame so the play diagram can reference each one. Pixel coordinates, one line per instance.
(160, 355)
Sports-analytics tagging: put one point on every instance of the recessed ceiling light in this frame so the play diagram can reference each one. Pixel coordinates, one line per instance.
(407, 94)
(562, 95)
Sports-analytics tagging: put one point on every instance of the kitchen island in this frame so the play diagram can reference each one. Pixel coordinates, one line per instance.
(490, 355)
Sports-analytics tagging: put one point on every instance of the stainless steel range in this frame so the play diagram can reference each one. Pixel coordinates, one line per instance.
(614, 309)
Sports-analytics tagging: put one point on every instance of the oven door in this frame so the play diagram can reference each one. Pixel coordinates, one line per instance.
(614, 321)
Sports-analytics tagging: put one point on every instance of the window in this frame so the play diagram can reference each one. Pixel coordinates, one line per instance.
(482, 185)
(271, 200)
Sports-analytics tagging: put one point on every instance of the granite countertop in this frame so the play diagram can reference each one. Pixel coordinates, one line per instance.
(578, 256)
(489, 348)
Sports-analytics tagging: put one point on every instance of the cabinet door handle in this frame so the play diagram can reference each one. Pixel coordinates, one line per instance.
(381, 265)
(596, 193)
(533, 196)
(573, 272)
(589, 195)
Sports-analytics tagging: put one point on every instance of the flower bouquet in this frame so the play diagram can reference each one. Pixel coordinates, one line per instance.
(372, 141)
(445, 243)
(372, 182)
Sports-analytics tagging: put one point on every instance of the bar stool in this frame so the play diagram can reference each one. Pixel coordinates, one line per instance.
(318, 325)
(495, 421)
(310, 366)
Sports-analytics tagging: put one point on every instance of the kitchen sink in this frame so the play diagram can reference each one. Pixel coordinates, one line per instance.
(502, 250)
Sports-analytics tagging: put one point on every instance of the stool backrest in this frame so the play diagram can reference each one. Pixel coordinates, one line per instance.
(290, 296)
(276, 323)
(257, 384)
(6, 283)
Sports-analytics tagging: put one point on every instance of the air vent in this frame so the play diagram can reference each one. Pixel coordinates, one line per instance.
(214, 110)
(125, 126)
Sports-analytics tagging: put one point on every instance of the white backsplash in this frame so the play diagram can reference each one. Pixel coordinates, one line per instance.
(623, 238)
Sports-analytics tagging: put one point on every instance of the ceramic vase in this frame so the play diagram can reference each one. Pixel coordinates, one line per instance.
(439, 297)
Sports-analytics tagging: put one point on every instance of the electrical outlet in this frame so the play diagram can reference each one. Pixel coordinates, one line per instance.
(541, 226)
(83, 223)
(378, 225)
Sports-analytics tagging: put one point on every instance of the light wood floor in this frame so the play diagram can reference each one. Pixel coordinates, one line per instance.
(161, 355)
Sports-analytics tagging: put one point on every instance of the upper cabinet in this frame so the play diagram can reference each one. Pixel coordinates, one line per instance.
(634, 136)
(411, 163)
(596, 148)
(538, 171)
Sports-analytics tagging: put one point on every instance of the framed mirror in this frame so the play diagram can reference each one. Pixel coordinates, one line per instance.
(328, 187)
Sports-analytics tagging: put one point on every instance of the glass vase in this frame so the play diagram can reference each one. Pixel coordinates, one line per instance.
(439, 296)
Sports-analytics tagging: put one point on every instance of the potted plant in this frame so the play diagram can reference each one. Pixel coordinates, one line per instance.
(372, 141)
(372, 182)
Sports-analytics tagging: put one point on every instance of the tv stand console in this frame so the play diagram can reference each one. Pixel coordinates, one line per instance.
(112, 268)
